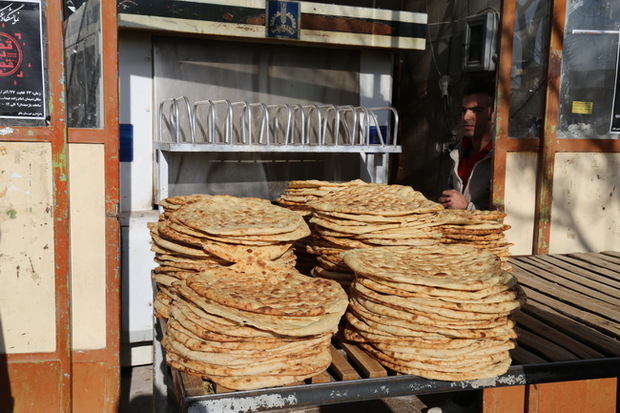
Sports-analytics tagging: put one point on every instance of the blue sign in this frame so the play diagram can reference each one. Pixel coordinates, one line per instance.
(283, 19)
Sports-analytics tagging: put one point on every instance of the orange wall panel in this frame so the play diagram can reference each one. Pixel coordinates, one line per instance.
(598, 396)
(95, 387)
(504, 399)
(32, 387)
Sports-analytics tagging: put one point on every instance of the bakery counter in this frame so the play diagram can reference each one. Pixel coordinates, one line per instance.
(568, 353)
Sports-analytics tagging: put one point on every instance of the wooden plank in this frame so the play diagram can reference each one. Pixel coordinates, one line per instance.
(604, 325)
(370, 366)
(341, 367)
(609, 263)
(563, 265)
(574, 274)
(614, 254)
(521, 356)
(570, 280)
(558, 292)
(608, 270)
(193, 385)
(552, 264)
(584, 333)
(595, 273)
(546, 349)
(322, 377)
(605, 256)
(578, 348)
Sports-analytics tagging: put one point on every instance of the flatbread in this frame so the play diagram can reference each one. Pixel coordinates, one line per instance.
(284, 293)
(229, 215)
(376, 199)
(448, 266)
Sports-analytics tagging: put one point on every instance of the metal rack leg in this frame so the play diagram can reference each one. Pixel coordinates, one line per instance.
(164, 400)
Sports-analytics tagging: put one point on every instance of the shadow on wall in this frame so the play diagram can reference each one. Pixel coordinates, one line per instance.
(6, 397)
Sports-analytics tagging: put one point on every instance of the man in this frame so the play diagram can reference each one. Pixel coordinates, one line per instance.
(470, 178)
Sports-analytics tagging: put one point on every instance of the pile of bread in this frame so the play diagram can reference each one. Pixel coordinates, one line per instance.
(368, 216)
(479, 229)
(296, 197)
(439, 312)
(240, 314)
(427, 289)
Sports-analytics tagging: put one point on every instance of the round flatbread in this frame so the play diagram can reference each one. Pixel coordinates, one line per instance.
(283, 293)
(376, 199)
(447, 266)
(229, 215)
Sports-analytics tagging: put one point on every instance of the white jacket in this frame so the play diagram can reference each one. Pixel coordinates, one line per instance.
(478, 189)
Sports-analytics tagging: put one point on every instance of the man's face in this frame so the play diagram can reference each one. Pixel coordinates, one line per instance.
(477, 114)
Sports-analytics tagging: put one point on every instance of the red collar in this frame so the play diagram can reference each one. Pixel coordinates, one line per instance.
(469, 159)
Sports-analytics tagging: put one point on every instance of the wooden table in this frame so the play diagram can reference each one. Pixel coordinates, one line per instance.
(567, 358)
(572, 317)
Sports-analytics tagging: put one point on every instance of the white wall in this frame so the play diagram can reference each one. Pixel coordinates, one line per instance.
(136, 107)
(585, 215)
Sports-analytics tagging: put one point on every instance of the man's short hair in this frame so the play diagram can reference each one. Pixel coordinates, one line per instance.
(478, 86)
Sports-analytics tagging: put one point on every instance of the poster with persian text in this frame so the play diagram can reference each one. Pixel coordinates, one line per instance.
(22, 76)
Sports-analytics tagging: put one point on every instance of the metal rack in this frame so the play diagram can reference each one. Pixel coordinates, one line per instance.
(237, 127)
(568, 331)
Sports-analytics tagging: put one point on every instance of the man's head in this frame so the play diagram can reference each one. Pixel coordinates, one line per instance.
(478, 110)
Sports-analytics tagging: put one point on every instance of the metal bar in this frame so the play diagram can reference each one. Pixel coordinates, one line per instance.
(405, 385)
(189, 147)
(581, 31)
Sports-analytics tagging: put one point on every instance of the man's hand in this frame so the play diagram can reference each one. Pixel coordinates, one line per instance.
(453, 199)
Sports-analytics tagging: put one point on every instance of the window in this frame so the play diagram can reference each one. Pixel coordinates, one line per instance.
(529, 68)
(590, 56)
(83, 63)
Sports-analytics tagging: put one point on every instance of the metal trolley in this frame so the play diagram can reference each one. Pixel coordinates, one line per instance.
(568, 331)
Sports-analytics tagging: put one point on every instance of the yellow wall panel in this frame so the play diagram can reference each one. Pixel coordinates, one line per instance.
(586, 203)
(520, 197)
(27, 303)
(88, 273)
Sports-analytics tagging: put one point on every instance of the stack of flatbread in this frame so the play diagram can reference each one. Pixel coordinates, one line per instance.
(439, 312)
(367, 216)
(200, 232)
(479, 229)
(299, 192)
(247, 327)
(296, 197)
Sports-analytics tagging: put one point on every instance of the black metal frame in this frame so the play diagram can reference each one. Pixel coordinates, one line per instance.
(393, 386)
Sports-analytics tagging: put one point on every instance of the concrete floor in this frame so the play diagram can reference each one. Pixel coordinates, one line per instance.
(136, 389)
(137, 397)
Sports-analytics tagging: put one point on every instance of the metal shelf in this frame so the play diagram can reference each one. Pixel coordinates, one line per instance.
(221, 126)
(207, 147)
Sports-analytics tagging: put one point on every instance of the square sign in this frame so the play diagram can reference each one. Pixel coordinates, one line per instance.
(282, 19)
(22, 81)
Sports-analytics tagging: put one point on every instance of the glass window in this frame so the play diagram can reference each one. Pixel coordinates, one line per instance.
(529, 68)
(83, 63)
(590, 55)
